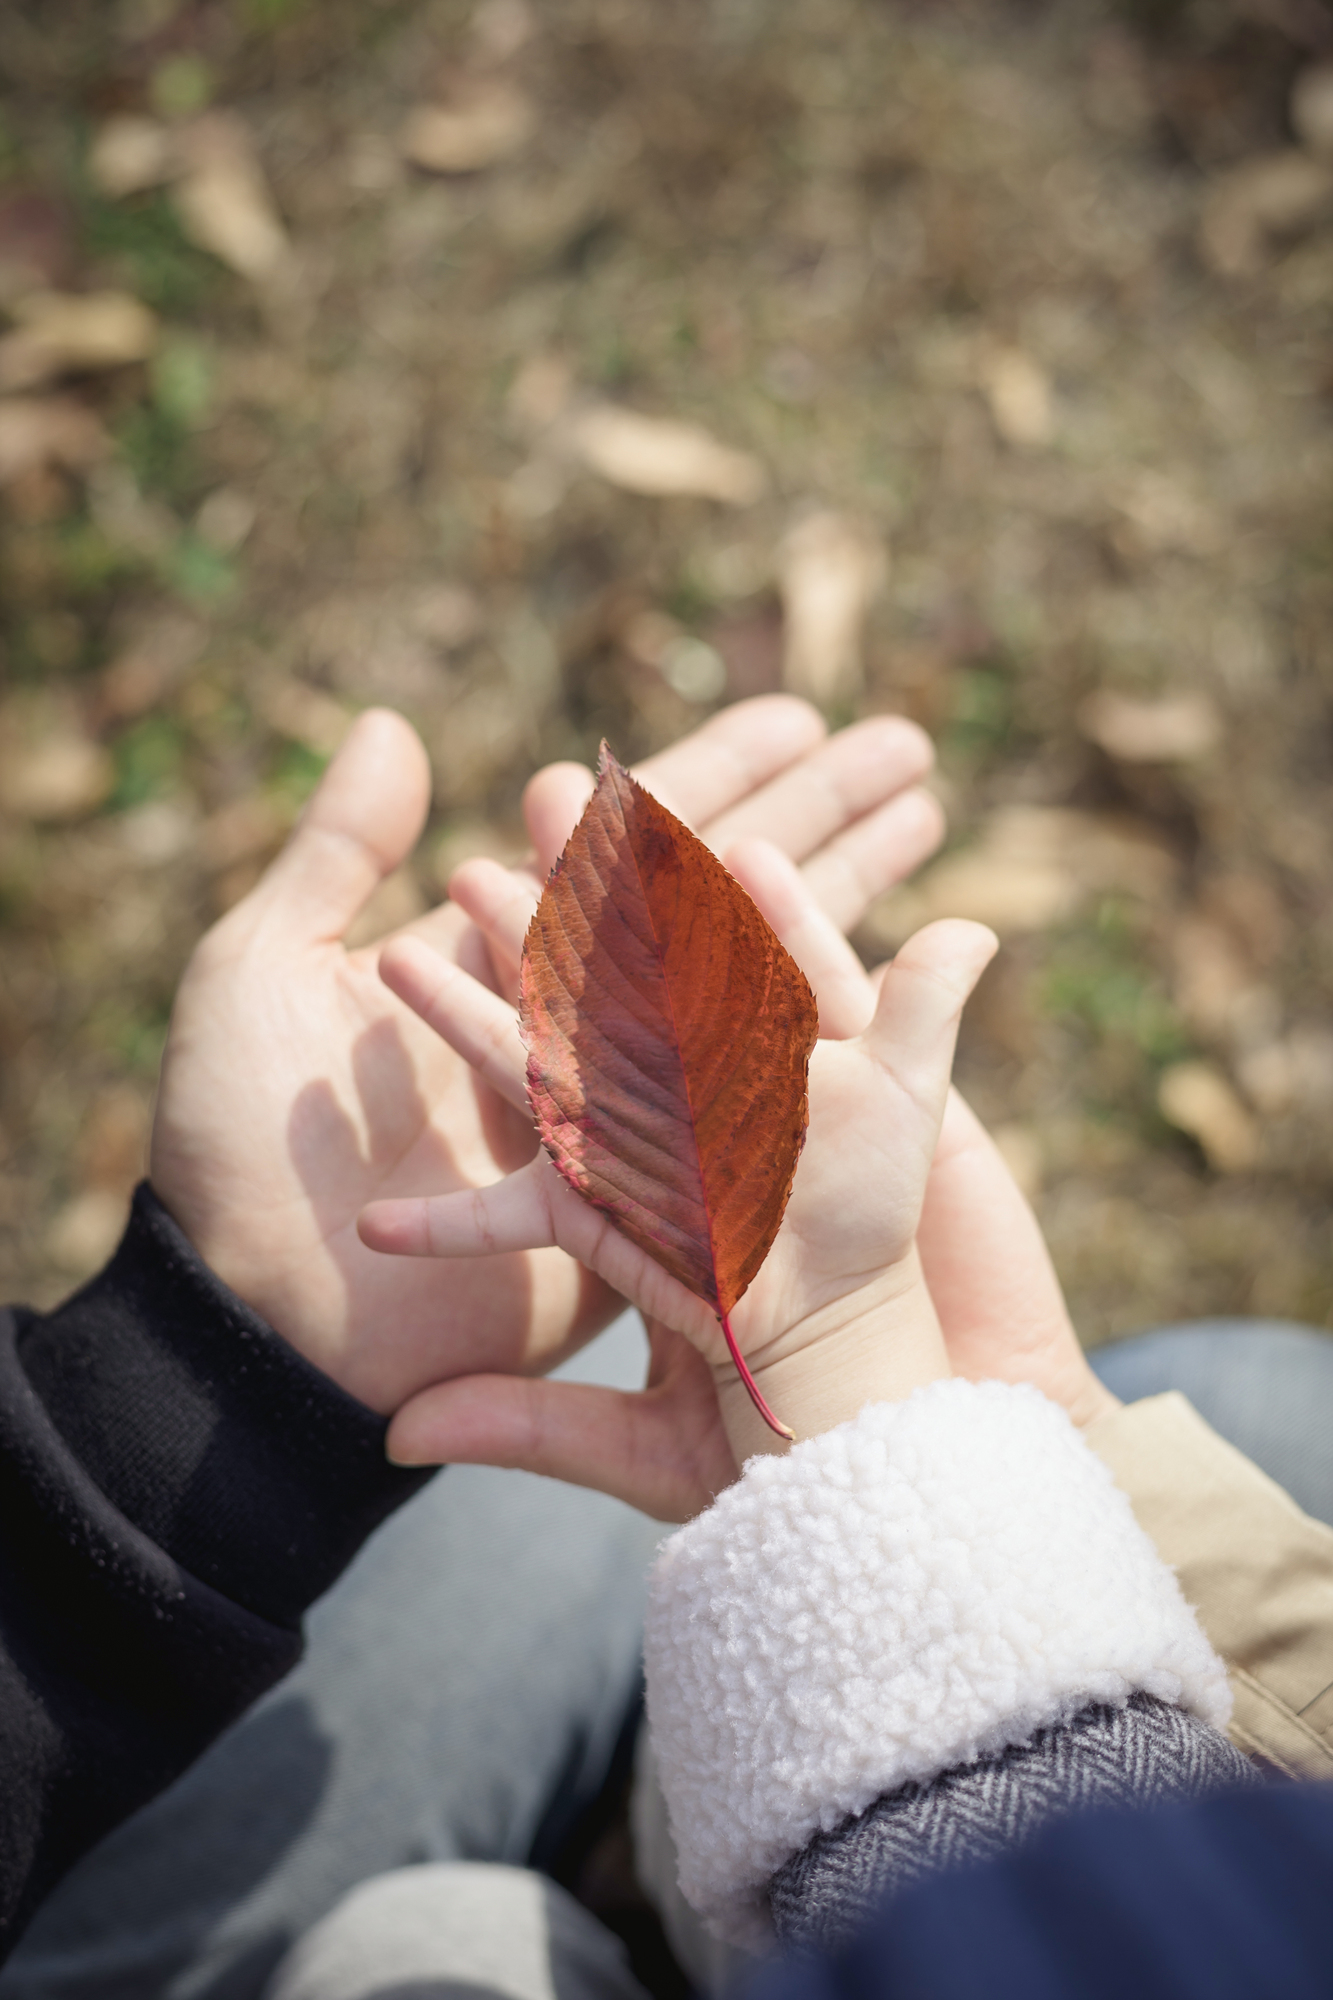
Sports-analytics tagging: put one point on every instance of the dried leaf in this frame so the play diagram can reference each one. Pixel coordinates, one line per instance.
(63, 776)
(1278, 195)
(1196, 1098)
(86, 1230)
(62, 332)
(488, 122)
(306, 715)
(669, 1037)
(223, 199)
(1293, 1073)
(656, 455)
(130, 154)
(38, 431)
(1033, 866)
(1171, 730)
(1213, 983)
(1162, 515)
(830, 570)
(225, 519)
(1312, 108)
(151, 661)
(1018, 391)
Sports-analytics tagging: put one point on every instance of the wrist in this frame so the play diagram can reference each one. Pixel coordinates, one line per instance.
(874, 1345)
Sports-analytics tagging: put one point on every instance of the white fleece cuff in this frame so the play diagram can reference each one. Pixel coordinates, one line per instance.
(922, 1586)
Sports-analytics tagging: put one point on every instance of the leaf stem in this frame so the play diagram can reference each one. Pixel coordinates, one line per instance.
(751, 1385)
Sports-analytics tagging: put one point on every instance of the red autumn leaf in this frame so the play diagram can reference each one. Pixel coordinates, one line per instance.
(668, 1036)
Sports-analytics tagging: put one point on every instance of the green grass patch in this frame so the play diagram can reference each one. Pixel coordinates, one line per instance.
(1097, 981)
(148, 759)
(296, 771)
(143, 237)
(981, 718)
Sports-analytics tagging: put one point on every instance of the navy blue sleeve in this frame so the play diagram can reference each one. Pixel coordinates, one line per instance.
(177, 1486)
(1224, 1898)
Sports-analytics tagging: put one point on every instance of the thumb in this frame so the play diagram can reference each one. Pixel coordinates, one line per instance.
(921, 1000)
(362, 820)
(639, 1446)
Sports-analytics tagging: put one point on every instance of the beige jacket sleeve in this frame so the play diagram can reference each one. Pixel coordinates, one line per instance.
(1257, 1570)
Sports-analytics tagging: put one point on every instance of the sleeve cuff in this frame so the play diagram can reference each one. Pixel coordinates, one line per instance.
(215, 1439)
(917, 1589)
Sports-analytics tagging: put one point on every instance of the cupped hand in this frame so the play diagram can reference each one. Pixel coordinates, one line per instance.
(837, 1315)
(1001, 1310)
(296, 1087)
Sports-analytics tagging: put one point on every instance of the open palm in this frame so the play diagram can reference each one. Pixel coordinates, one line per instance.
(843, 1249)
(296, 1087)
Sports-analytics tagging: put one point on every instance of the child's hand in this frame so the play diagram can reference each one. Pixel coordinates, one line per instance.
(839, 1315)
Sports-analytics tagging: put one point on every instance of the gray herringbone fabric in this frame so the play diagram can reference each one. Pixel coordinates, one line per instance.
(1144, 1753)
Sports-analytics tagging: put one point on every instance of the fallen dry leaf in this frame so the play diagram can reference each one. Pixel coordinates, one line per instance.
(159, 832)
(499, 28)
(1031, 867)
(62, 333)
(1171, 729)
(306, 716)
(223, 199)
(1022, 1152)
(149, 662)
(669, 1037)
(1018, 391)
(131, 154)
(86, 1231)
(248, 829)
(1295, 1072)
(1312, 109)
(655, 455)
(225, 518)
(1197, 1099)
(541, 392)
(488, 120)
(830, 570)
(39, 431)
(62, 776)
(1279, 195)
(1213, 983)
(111, 1150)
(1162, 515)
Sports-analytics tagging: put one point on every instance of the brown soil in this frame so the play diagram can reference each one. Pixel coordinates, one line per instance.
(997, 280)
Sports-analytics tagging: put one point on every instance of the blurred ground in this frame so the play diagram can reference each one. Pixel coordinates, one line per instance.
(321, 324)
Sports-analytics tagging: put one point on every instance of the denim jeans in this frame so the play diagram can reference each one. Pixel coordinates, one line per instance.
(466, 1685)
(1264, 1385)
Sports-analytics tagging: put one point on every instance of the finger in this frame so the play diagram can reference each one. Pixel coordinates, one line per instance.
(986, 1264)
(476, 1023)
(512, 1214)
(552, 803)
(662, 1451)
(921, 1000)
(841, 988)
(500, 901)
(451, 933)
(360, 824)
(829, 789)
(882, 849)
(720, 764)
